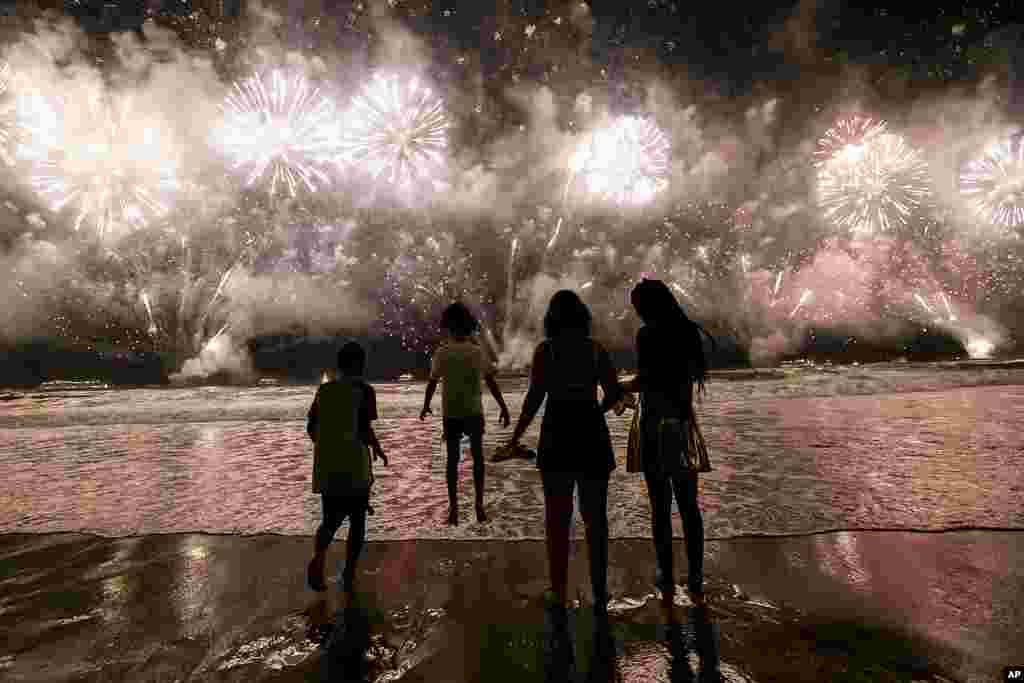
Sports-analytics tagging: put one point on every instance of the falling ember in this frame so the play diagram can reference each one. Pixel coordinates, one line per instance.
(869, 180)
(281, 129)
(396, 130)
(587, 285)
(804, 298)
(626, 162)
(994, 184)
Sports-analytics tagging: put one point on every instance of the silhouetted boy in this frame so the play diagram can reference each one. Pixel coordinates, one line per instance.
(339, 425)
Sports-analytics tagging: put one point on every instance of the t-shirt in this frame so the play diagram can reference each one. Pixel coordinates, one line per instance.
(339, 423)
(460, 367)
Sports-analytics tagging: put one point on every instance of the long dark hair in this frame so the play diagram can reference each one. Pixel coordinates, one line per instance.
(566, 314)
(655, 303)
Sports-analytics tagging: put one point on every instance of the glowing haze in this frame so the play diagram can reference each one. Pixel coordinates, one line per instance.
(766, 221)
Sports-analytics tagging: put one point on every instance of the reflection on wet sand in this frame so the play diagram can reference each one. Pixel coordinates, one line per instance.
(198, 607)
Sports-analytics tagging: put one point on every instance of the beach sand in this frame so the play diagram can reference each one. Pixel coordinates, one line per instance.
(852, 606)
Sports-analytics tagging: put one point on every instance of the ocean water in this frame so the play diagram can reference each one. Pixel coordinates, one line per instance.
(795, 450)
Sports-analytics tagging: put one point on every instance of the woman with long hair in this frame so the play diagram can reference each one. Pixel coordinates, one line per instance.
(575, 449)
(670, 363)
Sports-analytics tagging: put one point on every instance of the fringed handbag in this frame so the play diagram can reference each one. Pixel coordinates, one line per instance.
(696, 449)
(681, 445)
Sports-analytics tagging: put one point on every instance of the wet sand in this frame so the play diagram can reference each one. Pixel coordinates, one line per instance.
(853, 606)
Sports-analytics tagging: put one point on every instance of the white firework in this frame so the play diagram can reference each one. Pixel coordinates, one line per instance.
(95, 157)
(396, 130)
(281, 130)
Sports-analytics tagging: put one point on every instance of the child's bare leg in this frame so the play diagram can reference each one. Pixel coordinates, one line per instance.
(477, 448)
(356, 539)
(452, 475)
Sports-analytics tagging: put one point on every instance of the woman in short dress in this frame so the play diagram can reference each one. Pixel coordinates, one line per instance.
(575, 449)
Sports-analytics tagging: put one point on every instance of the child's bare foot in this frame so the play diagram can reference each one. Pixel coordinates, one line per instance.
(453, 516)
(480, 516)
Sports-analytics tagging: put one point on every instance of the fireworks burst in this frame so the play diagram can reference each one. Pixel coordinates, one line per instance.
(994, 184)
(113, 169)
(869, 180)
(626, 162)
(396, 129)
(281, 129)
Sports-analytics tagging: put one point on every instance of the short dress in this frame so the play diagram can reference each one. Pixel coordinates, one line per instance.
(574, 435)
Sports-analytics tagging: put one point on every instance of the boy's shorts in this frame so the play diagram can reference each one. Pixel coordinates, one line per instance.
(455, 427)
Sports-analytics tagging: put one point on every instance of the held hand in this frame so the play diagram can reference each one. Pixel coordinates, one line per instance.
(504, 418)
(378, 454)
(424, 413)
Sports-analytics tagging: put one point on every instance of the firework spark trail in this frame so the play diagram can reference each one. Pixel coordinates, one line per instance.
(22, 111)
(396, 128)
(804, 298)
(510, 285)
(284, 129)
(149, 312)
(201, 325)
(112, 167)
(994, 184)
(949, 309)
(554, 235)
(869, 180)
(9, 125)
(924, 304)
(587, 285)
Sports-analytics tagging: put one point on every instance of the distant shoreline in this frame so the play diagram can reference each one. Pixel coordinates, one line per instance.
(732, 374)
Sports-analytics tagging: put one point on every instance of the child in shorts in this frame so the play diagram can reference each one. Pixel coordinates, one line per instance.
(461, 364)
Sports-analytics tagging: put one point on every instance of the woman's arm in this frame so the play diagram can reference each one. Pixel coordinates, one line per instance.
(643, 372)
(314, 414)
(428, 397)
(534, 395)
